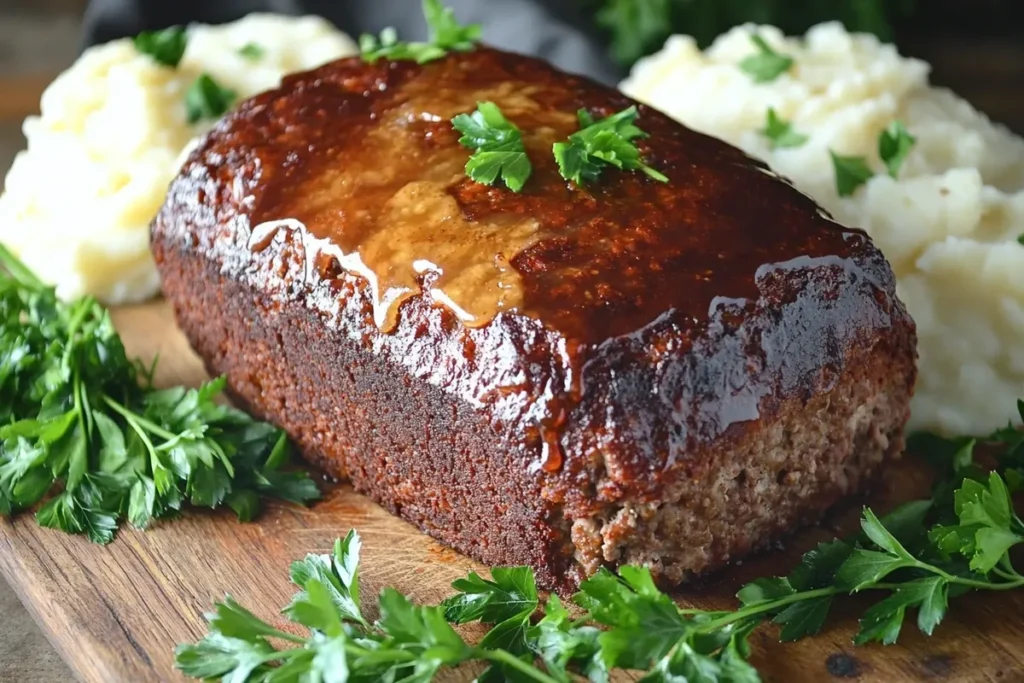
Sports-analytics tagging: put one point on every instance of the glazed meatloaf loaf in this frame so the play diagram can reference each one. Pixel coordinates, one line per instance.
(569, 377)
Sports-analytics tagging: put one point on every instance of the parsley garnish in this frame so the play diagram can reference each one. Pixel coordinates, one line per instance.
(919, 556)
(75, 422)
(851, 173)
(251, 51)
(767, 64)
(205, 99)
(780, 132)
(894, 144)
(1020, 240)
(446, 35)
(598, 144)
(166, 47)
(498, 144)
(445, 31)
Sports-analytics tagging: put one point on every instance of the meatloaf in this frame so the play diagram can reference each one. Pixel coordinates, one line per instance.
(627, 372)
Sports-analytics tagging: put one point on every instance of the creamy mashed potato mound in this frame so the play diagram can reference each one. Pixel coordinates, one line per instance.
(949, 224)
(78, 202)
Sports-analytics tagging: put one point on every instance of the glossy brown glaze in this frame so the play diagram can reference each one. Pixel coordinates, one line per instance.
(366, 157)
(573, 352)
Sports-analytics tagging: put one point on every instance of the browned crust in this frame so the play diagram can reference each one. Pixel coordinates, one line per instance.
(518, 445)
(441, 465)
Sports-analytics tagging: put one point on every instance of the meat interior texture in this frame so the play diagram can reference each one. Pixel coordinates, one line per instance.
(569, 378)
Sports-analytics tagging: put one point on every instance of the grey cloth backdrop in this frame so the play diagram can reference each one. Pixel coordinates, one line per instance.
(552, 29)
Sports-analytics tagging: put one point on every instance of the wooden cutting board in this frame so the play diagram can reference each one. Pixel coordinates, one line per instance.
(116, 612)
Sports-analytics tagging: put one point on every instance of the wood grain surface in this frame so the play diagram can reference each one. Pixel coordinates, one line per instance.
(116, 612)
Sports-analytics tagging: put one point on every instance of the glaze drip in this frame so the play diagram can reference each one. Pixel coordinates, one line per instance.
(371, 169)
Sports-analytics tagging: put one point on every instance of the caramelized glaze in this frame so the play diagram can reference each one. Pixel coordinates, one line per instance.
(638, 331)
(365, 160)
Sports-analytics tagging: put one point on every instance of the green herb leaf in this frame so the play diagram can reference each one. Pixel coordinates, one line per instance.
(76, 424)
(819, 565)
(338, 579)
(645, 623)
(205, 99)
(894, 144)
(636, 26)
(766, 65)
(764, 590)
(251, 51)
(851, 173)
(780, 132)
(934, 598)
(498, 144)
(446, 35)
(603, 143)
(867, 567)
(882, 622)
(445, 31)
(509, 594)
(219, 657)
(991, 545)
(166, 47)
(803, 618)
(881, 536)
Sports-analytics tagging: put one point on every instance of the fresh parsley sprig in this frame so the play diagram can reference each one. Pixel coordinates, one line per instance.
(204, 98)
(894, 144)
(251, 51)
(207, 99)
(780, 133)
(166, 47)
(76, 424)
(407, 643)
(498, 146)
(766, 64)
(851, 172)
(600, 144)
(920, 556)
(446, 35)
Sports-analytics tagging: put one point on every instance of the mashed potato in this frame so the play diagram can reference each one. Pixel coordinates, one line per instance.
(78, 202)
(949, 224)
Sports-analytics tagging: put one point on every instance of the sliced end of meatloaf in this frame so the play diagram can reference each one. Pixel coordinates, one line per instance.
(667, 374)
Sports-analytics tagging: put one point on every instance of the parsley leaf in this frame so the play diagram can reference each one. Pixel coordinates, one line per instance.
(205, 99)
(445, 31)
(894, 144)
(767, 64)
(498, 144)
(76, 422)
(603, 143)
(780, 132)
(1020, 240)
(446, 35)
(804, 618)
(851, 173)
(251, 51)
(635, 26)
(166, 47)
